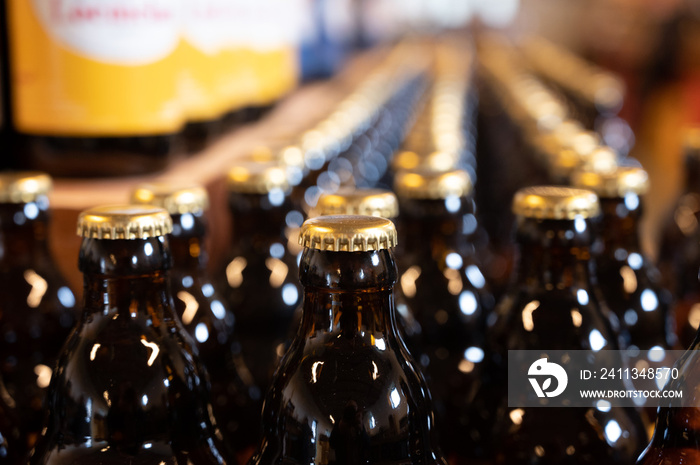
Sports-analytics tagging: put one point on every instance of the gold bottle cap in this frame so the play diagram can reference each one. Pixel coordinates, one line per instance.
(349, 201)
(564, 161)
(276, 152)
(428, 184)
(348, 233)
(555, 203)
(124, 222)
(23, 186)
(176, 198)
(435, 161)
(257, 178)
(613, 184)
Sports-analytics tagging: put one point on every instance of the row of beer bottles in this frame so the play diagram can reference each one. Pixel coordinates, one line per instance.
(428, 194)
(82, 100)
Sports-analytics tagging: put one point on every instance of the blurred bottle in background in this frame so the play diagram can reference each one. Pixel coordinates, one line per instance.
(443, 287)
(272, 36)
(13, 446)
(258, 279)
(551, 304)
(630, 283)
(202, 311)
(37, 309)
(94, 88)
(679, 253)
(201, 52)
(676, 436)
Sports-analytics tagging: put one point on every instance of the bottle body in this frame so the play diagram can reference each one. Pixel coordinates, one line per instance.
(210, 323)
(677, 434)
(261, 284)
(553, 305)
(13, 443)
(129, 386)
(37, 309)
(679, 252)
(630, 284)
(95, 104)
(347, 390)
(443, 288)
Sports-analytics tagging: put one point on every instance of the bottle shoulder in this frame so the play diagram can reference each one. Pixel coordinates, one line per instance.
(127, 373)
(558, 319)
(333, 366)
(198, 300)
(347, 393)
(124, 346)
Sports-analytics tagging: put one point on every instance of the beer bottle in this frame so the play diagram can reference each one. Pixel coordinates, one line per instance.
(259, 277)
(347, 390)
(592, 93)
(552, 305)
(201, 308)
(129, 387)
(13, 444)
(409, 160)
(679, 254)
(369, 202)
(677, 433)
(201, 52)
(442, 284)
(37, 309)
(103, 98)
(629, 282)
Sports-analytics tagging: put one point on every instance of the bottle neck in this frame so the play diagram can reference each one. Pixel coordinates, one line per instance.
(348, 293)
(258, 219)
(619, 228)
(187, 243)
(126, 277)
(442, 223)
(553, 254)
(128, 297)
(24, 233)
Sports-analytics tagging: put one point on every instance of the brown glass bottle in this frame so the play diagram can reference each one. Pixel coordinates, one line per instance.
(369, 202)
(629, 282)
(37, 309)
(676, 438)
(95, 104)
(13, 444)
(592, 93)
(552, 305)
(679, 251)
(129, 386)
(259, 278)
(347, 391)
(202, 310)
(442, 284)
